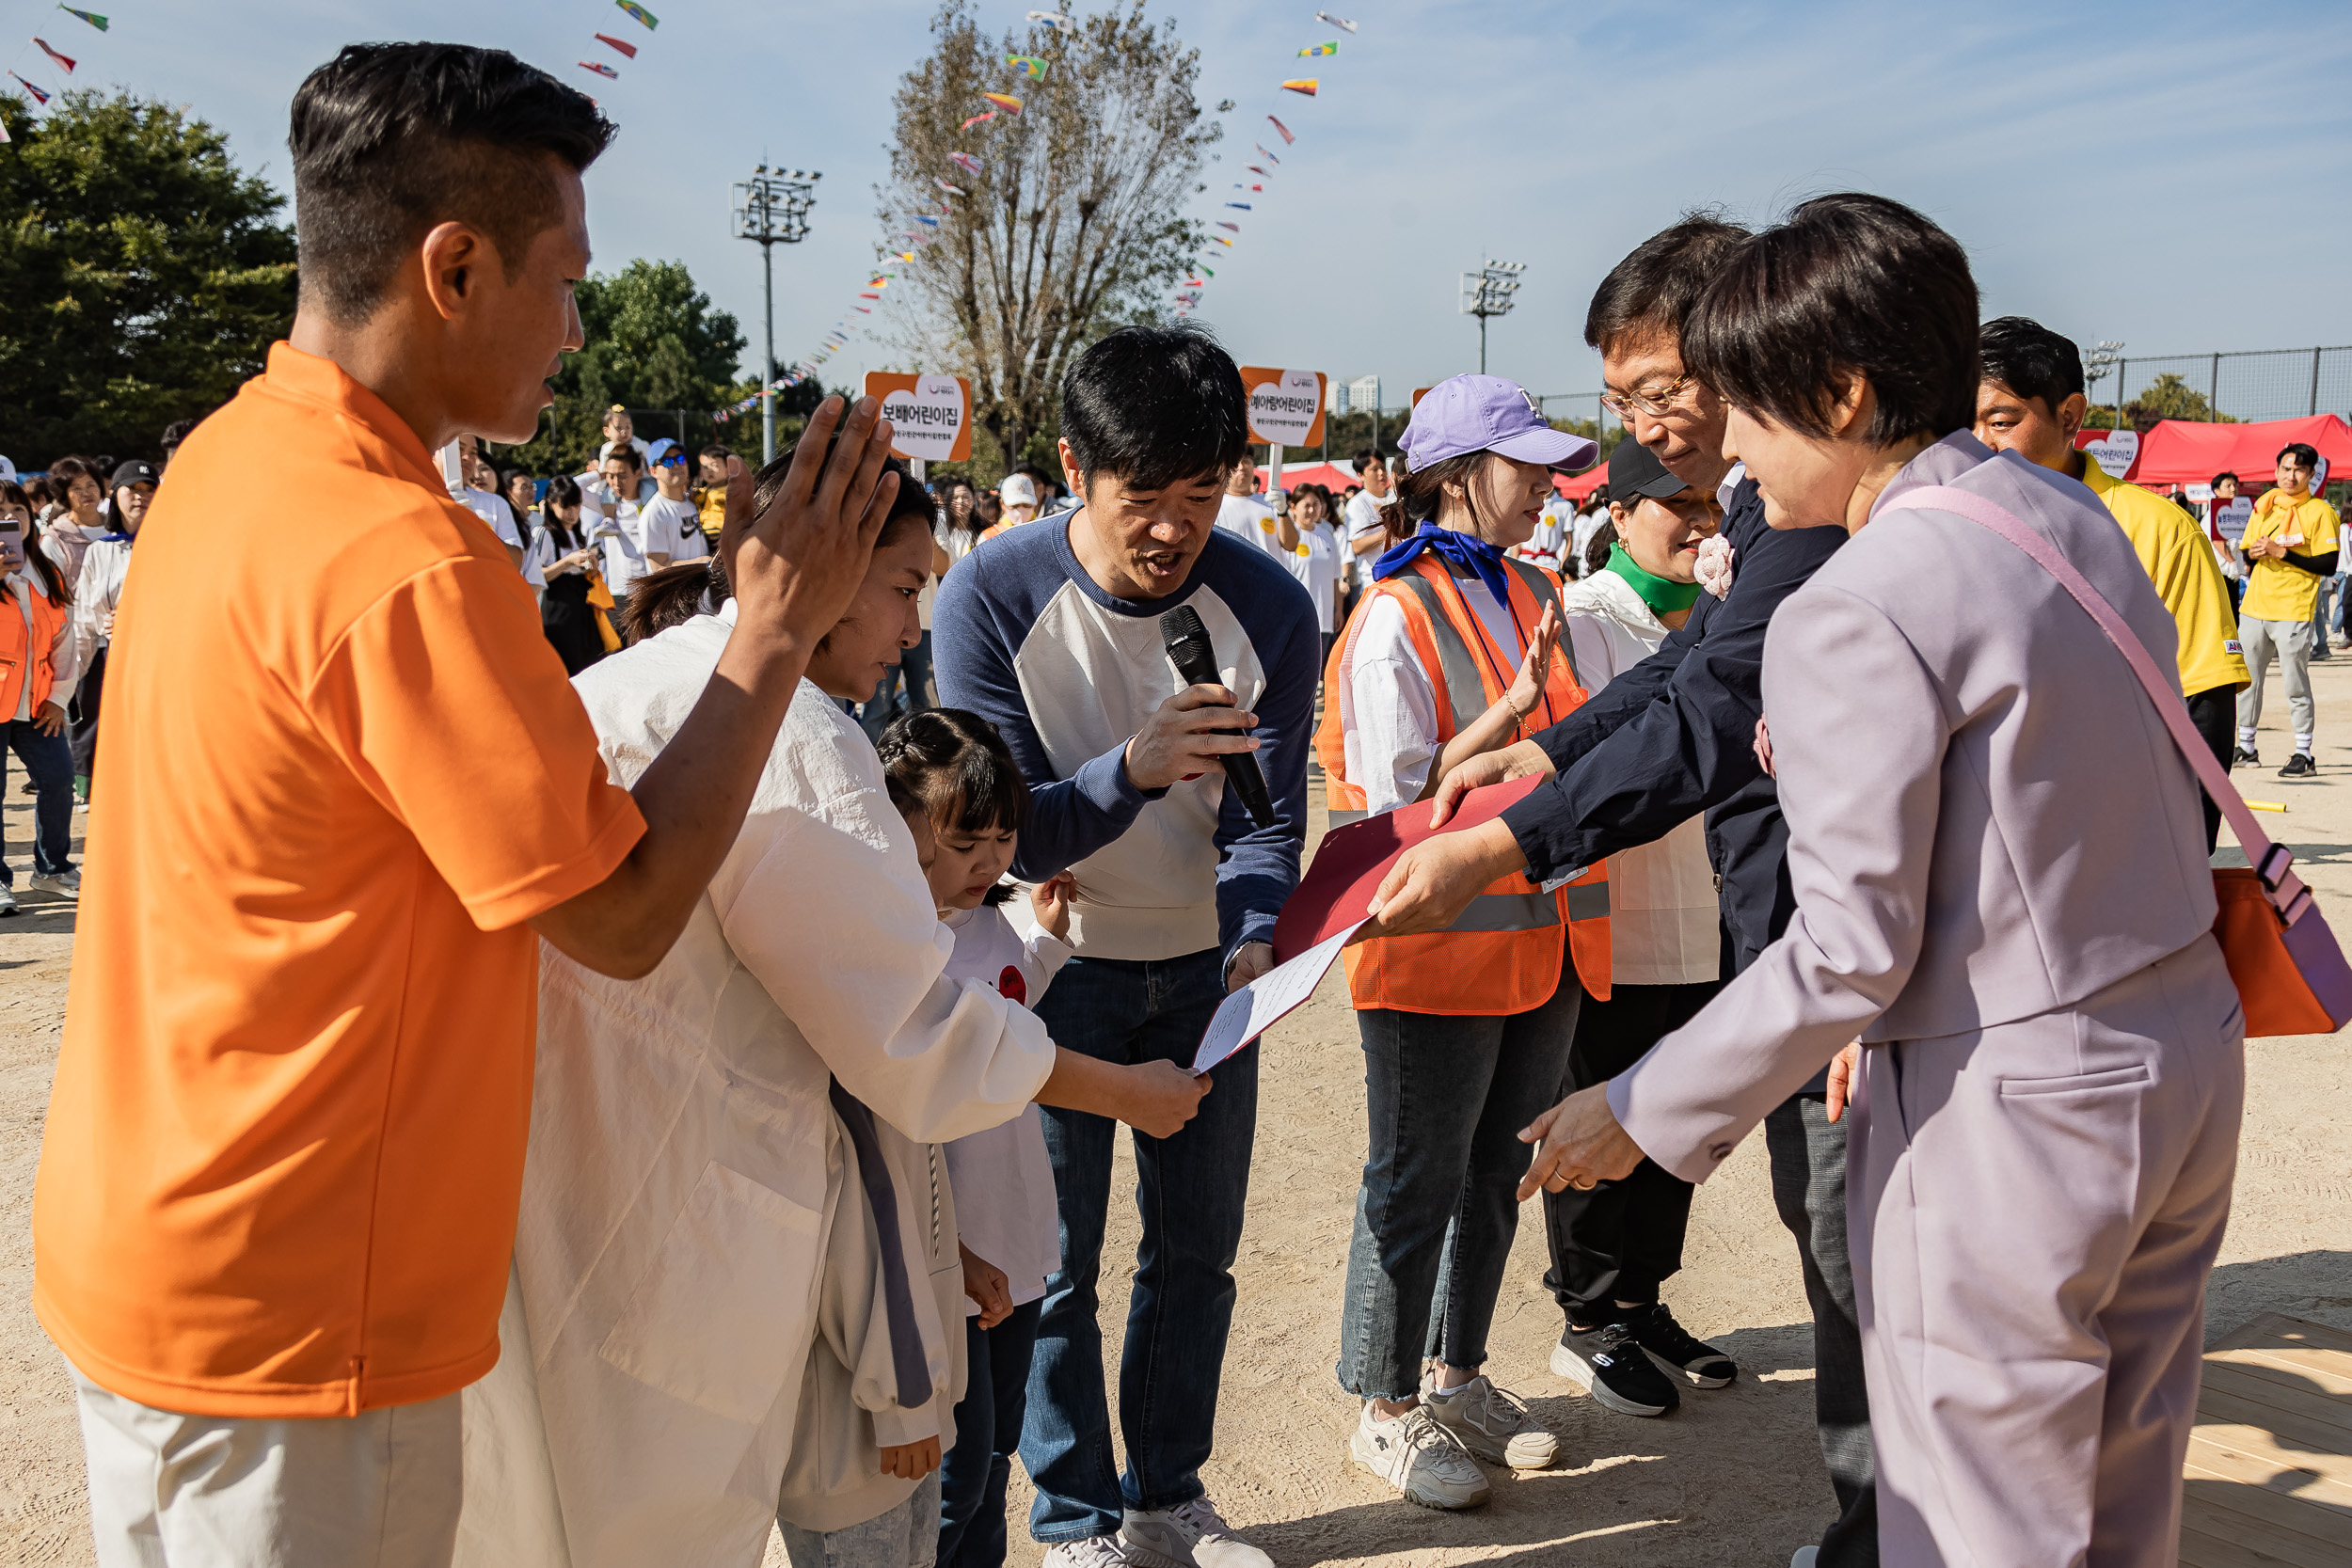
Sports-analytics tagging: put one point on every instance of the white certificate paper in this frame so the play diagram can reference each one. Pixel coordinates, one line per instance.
(1258, 1005)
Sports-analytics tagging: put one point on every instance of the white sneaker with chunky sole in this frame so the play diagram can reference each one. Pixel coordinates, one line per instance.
(1420, 1457)
(1190, 1535)
(1492, 1425)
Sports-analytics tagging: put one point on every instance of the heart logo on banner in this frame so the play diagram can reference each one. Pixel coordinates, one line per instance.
(926, 419)
(2115, 452)
(1284, 410)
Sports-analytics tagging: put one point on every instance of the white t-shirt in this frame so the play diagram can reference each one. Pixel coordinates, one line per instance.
(621, 541)
(1581, 532)
(673, 528)
(1248, 517)
(1364, 516)
(1388, 705)
(1002, 1181)
(1318, 569)
(493, 510)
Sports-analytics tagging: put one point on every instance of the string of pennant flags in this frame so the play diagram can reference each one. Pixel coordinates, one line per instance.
(1196, 284)
(620, 46)
(60, 61)
(904, 248)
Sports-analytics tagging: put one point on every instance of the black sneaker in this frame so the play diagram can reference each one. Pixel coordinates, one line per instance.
(1697, 1363)
(2300, 765)
(2244, 757)
(1607, 1364)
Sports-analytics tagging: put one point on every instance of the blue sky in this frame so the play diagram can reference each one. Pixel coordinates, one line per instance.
(2169, 175)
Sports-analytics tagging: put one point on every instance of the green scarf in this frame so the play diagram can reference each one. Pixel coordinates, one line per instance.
(1663, 596)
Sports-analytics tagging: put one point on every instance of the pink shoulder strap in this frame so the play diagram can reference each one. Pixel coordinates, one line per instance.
(2271, 862)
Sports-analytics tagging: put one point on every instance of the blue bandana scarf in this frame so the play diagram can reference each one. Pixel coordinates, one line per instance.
(1463, 550)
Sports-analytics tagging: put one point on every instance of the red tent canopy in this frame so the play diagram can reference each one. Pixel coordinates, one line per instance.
(1336, 476)
(1583, 485)
(2184, 452)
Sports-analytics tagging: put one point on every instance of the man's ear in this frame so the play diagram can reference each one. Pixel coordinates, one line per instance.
(455, 254)
(2069, 413)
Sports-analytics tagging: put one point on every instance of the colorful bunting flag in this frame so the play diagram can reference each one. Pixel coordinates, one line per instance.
(904, 255)
(1255, 169)
(1314, 49)
(1028, 65)
(1261, 146)
(91, 17)
(1305, 86)
(628, 50)
(1221, 239)
(951, 190)
(1003, 100)
(4, 137)
(1234, 227)
(965, 161)
(864, 310)
(1208, 272)
(600, 69)
(869, 297)
(920, 218)
(55, 55)
(1239, 186)
(1340, 22)
(1055, 20)
(39, 96)
(977, 119)
(639, 12)
(1287, 137)
(1243, 205)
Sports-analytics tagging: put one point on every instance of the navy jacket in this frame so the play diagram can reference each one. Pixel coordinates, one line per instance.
(1675, 736)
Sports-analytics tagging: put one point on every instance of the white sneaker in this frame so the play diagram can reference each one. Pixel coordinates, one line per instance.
(1095, 1551)
(1420, 1457)
(67, 882)
(1803, 1556)
(1492, 1425)
(1190, 1535)
(7, 901)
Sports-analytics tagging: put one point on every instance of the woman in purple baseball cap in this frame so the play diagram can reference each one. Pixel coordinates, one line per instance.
(1453, 651)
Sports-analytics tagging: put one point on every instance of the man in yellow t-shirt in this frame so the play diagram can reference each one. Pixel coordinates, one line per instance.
(2030, 402)
(2290, 544)
(710, 495)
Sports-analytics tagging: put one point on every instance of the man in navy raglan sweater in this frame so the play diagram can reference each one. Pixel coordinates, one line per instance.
(1052, 632)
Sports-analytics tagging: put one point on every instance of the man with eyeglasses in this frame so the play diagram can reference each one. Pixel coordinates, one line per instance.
(1672, 738)
(2289, 546)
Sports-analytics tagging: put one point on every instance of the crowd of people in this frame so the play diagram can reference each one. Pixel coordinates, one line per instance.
(591, 1081)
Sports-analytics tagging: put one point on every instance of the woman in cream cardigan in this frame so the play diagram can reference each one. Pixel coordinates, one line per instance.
(686, 1162)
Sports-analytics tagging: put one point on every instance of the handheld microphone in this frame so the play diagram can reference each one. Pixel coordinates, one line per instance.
(1189, 649)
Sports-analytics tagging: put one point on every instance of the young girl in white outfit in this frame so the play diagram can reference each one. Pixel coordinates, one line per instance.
(956, 780)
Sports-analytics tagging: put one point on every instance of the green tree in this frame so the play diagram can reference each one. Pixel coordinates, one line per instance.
(2168, 397)
(654, 341)
(143, 275)
(1074, 224)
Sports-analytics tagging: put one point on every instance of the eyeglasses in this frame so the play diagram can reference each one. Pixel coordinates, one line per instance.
(1654, 405)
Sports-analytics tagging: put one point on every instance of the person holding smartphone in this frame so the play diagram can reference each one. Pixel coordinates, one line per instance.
(37, 679)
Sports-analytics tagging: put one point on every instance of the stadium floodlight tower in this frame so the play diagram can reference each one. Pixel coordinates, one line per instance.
(1488, 293)
(771, 209)
(2107, 356)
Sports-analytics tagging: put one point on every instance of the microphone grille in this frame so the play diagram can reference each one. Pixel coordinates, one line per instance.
(1180, 623)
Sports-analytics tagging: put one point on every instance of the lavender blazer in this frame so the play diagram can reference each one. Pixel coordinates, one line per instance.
(1987, 819)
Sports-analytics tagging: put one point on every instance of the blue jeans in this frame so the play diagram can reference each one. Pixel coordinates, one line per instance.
(1190, 1190)
(903, 690)
(49, 759)
(2327, 614)
(1446, 1097)
(988, 1432)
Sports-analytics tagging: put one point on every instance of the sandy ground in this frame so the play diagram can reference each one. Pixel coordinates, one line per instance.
(1733, 1478)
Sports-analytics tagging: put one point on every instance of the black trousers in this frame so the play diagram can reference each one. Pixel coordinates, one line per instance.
(1621, 1240)
(2215, 714)
(82, 722)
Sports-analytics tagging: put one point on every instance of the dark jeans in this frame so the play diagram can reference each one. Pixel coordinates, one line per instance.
(82, 722)
(1620, 1241)
(903, 688)
(1807, 1152)
(988, 1432)
(1446, 1097)
(1190, 1190)
(2215, 714)
(49, 760)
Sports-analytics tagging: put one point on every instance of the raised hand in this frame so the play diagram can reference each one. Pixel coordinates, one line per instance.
(796, 566)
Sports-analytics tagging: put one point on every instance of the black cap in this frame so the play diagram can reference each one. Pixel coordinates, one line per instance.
(132, 472)
(1635, 471)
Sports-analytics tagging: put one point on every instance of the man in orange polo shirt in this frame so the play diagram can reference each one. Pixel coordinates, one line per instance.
(348, 791)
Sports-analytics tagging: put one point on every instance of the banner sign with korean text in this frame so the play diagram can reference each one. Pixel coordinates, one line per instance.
(1285, 407)
(930, 416)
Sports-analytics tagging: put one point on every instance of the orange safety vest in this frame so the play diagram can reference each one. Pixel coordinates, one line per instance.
(1502, 955)
(24, 651)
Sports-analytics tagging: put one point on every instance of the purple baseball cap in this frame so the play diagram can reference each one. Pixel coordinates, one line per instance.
(1487, 413)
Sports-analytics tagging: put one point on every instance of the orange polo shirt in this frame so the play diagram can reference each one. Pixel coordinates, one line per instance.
(342, 768)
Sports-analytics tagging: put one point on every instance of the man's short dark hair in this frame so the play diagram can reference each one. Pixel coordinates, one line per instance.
(1371, 455)
(391, 138)
(1655, 287)
(1154, 406)
(2226, 474)
(2029, 359)
(627, 452)
(2305, 454)
(1849, 284)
